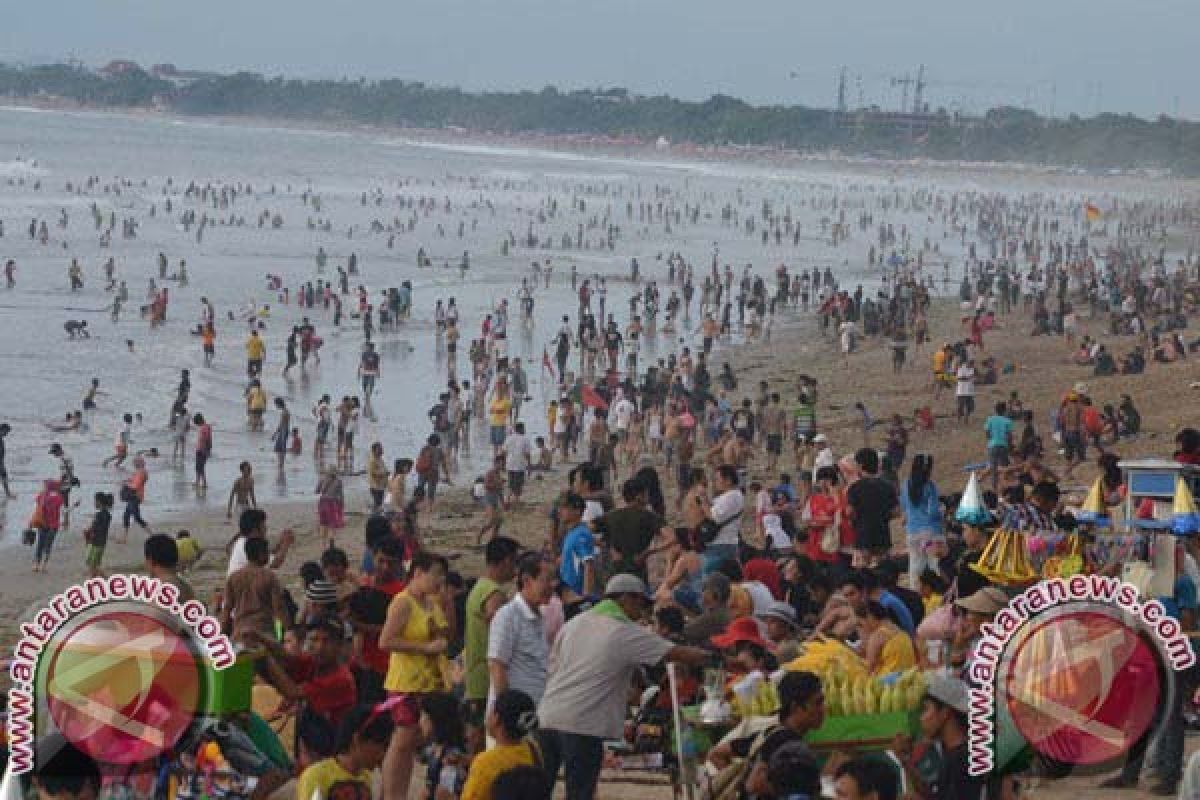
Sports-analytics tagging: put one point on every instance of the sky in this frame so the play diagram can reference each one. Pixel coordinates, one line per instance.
(1053, 56)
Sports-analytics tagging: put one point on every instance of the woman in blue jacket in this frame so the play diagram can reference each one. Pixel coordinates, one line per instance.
(922, 516)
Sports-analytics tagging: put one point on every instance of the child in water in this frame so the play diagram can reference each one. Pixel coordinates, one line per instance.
(96, 534)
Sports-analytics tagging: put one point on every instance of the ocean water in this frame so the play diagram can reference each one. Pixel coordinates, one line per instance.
(492, 190)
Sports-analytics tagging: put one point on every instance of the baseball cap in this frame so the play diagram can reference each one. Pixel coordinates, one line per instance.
(782, 612)
(949, 690)
(988, 600)
(819, 438)
(625, 583)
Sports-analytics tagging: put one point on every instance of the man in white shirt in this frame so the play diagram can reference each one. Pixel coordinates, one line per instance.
(517, 647)
(824, 456)
(516, 460)
(622, 412)
(253, 524)
(726, 513)
(964, 391)
(593, 661)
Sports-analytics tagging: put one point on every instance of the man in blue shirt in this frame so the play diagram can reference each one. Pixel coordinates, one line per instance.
(998, 428)
(786, 488)
(578, 568)
(862, 586)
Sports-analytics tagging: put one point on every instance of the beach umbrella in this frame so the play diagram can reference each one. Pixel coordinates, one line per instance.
(592, 398)
(1094, 511)
(971, 510)
(1185, 519)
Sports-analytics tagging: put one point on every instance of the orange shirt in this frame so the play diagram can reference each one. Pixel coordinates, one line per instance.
(137, 482)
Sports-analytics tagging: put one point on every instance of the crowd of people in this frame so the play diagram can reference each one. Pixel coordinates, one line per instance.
(697, 521)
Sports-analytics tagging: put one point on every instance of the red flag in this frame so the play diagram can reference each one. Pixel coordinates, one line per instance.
(590, 397)
(546, 363)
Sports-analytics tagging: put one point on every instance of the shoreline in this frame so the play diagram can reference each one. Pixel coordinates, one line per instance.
(678, 155)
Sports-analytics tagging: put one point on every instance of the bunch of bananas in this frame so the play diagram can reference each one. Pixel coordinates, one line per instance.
(1005, 560)
(762, 701)
(822, 655)
(848, 696)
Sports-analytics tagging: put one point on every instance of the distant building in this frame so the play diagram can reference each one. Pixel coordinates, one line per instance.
(176, 76)
(117, 68)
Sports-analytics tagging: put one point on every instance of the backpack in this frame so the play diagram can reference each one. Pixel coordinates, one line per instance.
(424, 463)
(728, 783)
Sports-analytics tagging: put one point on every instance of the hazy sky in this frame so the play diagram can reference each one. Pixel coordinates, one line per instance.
(1060, 55)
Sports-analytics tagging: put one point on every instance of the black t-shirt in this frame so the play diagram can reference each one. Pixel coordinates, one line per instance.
(743, 423)
(912, 600)
(873, 501)
(968, 581)
(629, 531)
(100, 524)
(953, 782)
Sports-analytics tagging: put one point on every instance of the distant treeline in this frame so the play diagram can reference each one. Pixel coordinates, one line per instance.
(1105, 141)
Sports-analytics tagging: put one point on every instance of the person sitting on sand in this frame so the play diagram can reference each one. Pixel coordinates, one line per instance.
(1134, 363)
(1129, 419)
(1105, 364)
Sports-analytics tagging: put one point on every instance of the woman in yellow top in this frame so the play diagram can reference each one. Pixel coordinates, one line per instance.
(416, 634)
(362, 741)
(256, 405)
(377, 476)
(887, 648)
(498, 413)
(512, 718)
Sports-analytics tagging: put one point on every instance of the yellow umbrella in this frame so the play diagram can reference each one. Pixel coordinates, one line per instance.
(1185, 517)
(1094, 512)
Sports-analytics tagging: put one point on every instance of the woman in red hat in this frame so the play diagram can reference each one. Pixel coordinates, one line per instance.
(745, 648)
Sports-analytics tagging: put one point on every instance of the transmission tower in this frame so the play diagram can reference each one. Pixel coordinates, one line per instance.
(841, 92)
(919, 92)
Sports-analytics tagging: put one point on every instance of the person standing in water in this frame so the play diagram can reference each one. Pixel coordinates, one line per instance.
(89, 400)
(324, 418)
(279, 439)
(47, 517)
(368, 373)
(133, 494)
(204, 443)
(124, 440)
(5, 429)
(241, 495)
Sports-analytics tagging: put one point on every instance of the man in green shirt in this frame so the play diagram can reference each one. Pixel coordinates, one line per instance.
(483, 602)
